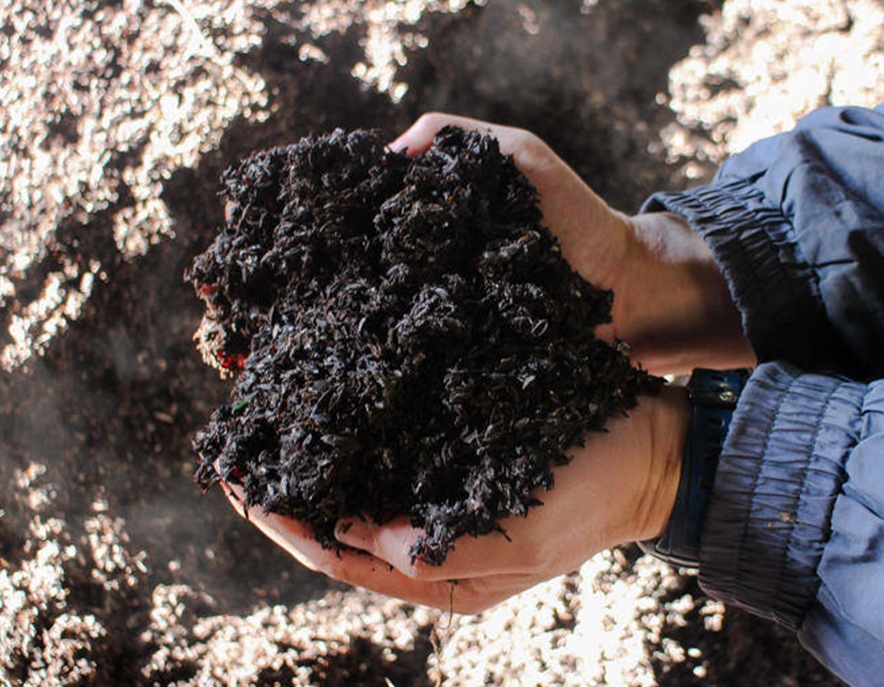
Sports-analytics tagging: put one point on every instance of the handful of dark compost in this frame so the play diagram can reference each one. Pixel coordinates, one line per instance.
(405, 338)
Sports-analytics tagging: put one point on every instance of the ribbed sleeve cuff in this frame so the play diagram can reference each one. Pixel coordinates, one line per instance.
(781, 469)
(770, 282)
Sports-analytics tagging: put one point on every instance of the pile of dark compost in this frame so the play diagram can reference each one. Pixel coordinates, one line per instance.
(405, 335)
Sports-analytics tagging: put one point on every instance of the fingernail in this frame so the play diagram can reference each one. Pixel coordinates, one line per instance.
(355, 533)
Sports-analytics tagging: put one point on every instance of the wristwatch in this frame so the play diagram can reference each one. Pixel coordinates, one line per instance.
(713, 395)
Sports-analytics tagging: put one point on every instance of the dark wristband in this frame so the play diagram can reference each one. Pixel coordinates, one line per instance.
(713, 396)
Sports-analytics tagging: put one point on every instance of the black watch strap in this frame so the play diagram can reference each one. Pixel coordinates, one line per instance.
(713, 396)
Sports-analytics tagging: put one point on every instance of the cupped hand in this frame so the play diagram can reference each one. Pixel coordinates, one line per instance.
(620, 487)
(673, 310)
(671, 307)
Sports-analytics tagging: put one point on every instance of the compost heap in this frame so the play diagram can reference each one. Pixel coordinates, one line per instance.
(405, 336)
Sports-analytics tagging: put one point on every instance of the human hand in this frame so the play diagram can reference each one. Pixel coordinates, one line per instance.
(620, 487)
(671, 304)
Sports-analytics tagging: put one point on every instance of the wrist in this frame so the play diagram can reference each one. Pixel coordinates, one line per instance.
(713, 396)
(673, 306)
(669, 421)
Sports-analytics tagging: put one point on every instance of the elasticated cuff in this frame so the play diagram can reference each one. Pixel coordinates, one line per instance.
(771, 284)
(781, 469)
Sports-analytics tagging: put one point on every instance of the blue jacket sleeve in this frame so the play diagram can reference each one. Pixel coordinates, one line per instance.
(795, 526)
(795, 222)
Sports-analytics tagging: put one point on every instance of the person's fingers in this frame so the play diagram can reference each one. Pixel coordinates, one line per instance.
(306, 554)
(472, 557)
(361, 569)
(592, 236)
(352, 567)
(391, 543)
(513, 141)
(418, 137)
(358, 568)
(389, 552)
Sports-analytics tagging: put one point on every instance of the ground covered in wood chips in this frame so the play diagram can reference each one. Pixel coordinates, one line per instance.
(118, 118)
